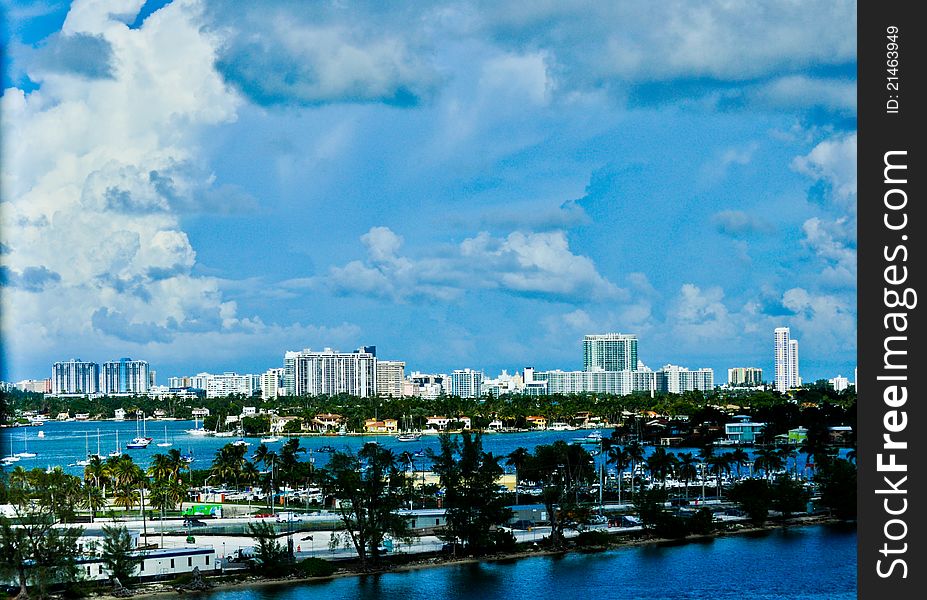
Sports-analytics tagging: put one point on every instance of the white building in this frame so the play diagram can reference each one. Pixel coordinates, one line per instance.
(674, 379)
(75, 377)
(272, 384)
(610, 352)
(428, 386)
(786, 355)
(41, 386)
(330, 372)
(465, 383)
(226, 384)
(503, 384)
(125, 376)
(839, 383)
(390, 376)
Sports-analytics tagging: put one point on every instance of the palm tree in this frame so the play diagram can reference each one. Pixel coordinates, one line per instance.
(619, 457)
(518, 458)
(687, 469)
(767, 460)
(636, 454)
(661, 464)
(718, 465)
(126, 495)
(739, 458)
(92, 498)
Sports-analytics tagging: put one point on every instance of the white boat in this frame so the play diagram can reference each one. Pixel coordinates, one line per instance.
(241, 442)
(165, 443)
(197, 430)
(141, 439)
(408, 437)
(118, 451)
(270, 440)
(560, 426)
(41, 434)
(25, 453)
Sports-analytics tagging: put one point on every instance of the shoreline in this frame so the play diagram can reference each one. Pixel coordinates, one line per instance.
(250, 580)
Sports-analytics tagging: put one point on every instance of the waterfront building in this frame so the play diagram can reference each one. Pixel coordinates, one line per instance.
(226, 384)
(330, 372)
(125, 376)
(839, 383)
(610, 352)
(503, 384)
(272, 384)
(465, 383)
(40, 386)
(428, 386)
(786, 360)
(381, 425)
(75, 377)
(744, 377)
(743, 430)
(390, 376)
(674, 379)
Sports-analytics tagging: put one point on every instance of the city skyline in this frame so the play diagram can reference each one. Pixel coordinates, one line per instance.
(462, 183)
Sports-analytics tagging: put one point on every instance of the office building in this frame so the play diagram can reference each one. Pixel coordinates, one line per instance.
(786, 357)
(228, 384)
(674, 379)
(272, 384)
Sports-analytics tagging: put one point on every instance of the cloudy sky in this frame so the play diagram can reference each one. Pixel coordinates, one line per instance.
(206, 184)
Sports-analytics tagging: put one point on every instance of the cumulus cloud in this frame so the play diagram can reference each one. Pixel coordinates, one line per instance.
(95, 250)
(78, 54)
(527, 264)
(833, 162)
(299, 54)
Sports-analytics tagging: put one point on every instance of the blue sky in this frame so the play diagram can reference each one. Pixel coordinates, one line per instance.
(207, 184)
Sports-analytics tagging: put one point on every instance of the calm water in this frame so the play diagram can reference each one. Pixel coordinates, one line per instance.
(798, 564)
(64, 443)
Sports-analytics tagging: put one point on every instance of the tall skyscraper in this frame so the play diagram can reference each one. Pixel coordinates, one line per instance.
(75, 377)
(610, 352)
(125, 376)
(330, 372)
(466, 383)
(390, 376)
(786, 349)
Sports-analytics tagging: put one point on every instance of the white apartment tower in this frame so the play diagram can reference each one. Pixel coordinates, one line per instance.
(272, 383)
(390, 376)
(610, 352)
(125, 376)
(787, 376)
(466, 383)
(330, 372)
(75, 377)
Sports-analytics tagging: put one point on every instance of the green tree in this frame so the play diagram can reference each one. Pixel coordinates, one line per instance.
(117, 554)
(837, 481)
(369, 488)
(789, 495)
(271, 555)
(754, 496)
(475, 505)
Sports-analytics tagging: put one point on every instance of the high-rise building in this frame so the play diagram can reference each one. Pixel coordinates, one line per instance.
(675, 380)
(272, 383)
(227, 384)
(390, 376)
(125, 376)
(330, 372)
(75, 377)
(786, 354)
(466, 383)
(610, 352)
(745, 376)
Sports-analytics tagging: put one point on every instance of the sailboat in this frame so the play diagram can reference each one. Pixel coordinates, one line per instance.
(197, 430)
(141, 439)
(166, 443)
(86, 461)
(118, 451)
(227, 433)
(12, 457)
(25, 453)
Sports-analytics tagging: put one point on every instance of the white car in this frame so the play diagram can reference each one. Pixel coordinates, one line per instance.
(288, 517)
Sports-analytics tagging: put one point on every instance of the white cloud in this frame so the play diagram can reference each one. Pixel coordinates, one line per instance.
(94, 240)
(834, 243)
(834, 162)
(531, 264)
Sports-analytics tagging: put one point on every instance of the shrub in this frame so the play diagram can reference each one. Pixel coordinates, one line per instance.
(593, 538)
(316, 567)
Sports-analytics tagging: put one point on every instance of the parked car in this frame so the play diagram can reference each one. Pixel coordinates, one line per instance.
(522, 524)
(288, 517)
(263, 516)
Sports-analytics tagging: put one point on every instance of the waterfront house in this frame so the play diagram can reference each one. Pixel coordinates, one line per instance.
(120, 414)
(797, 436)
(63, 416)
(537, 422)
(199, 413)
(743, 430)
(159, 413)
(326, 422)
(381, 426)
(277, 424)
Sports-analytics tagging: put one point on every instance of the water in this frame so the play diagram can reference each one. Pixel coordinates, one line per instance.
(64, 443)
(795, 564)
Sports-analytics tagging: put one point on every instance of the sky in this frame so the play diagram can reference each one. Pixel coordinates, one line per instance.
(207, 184)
